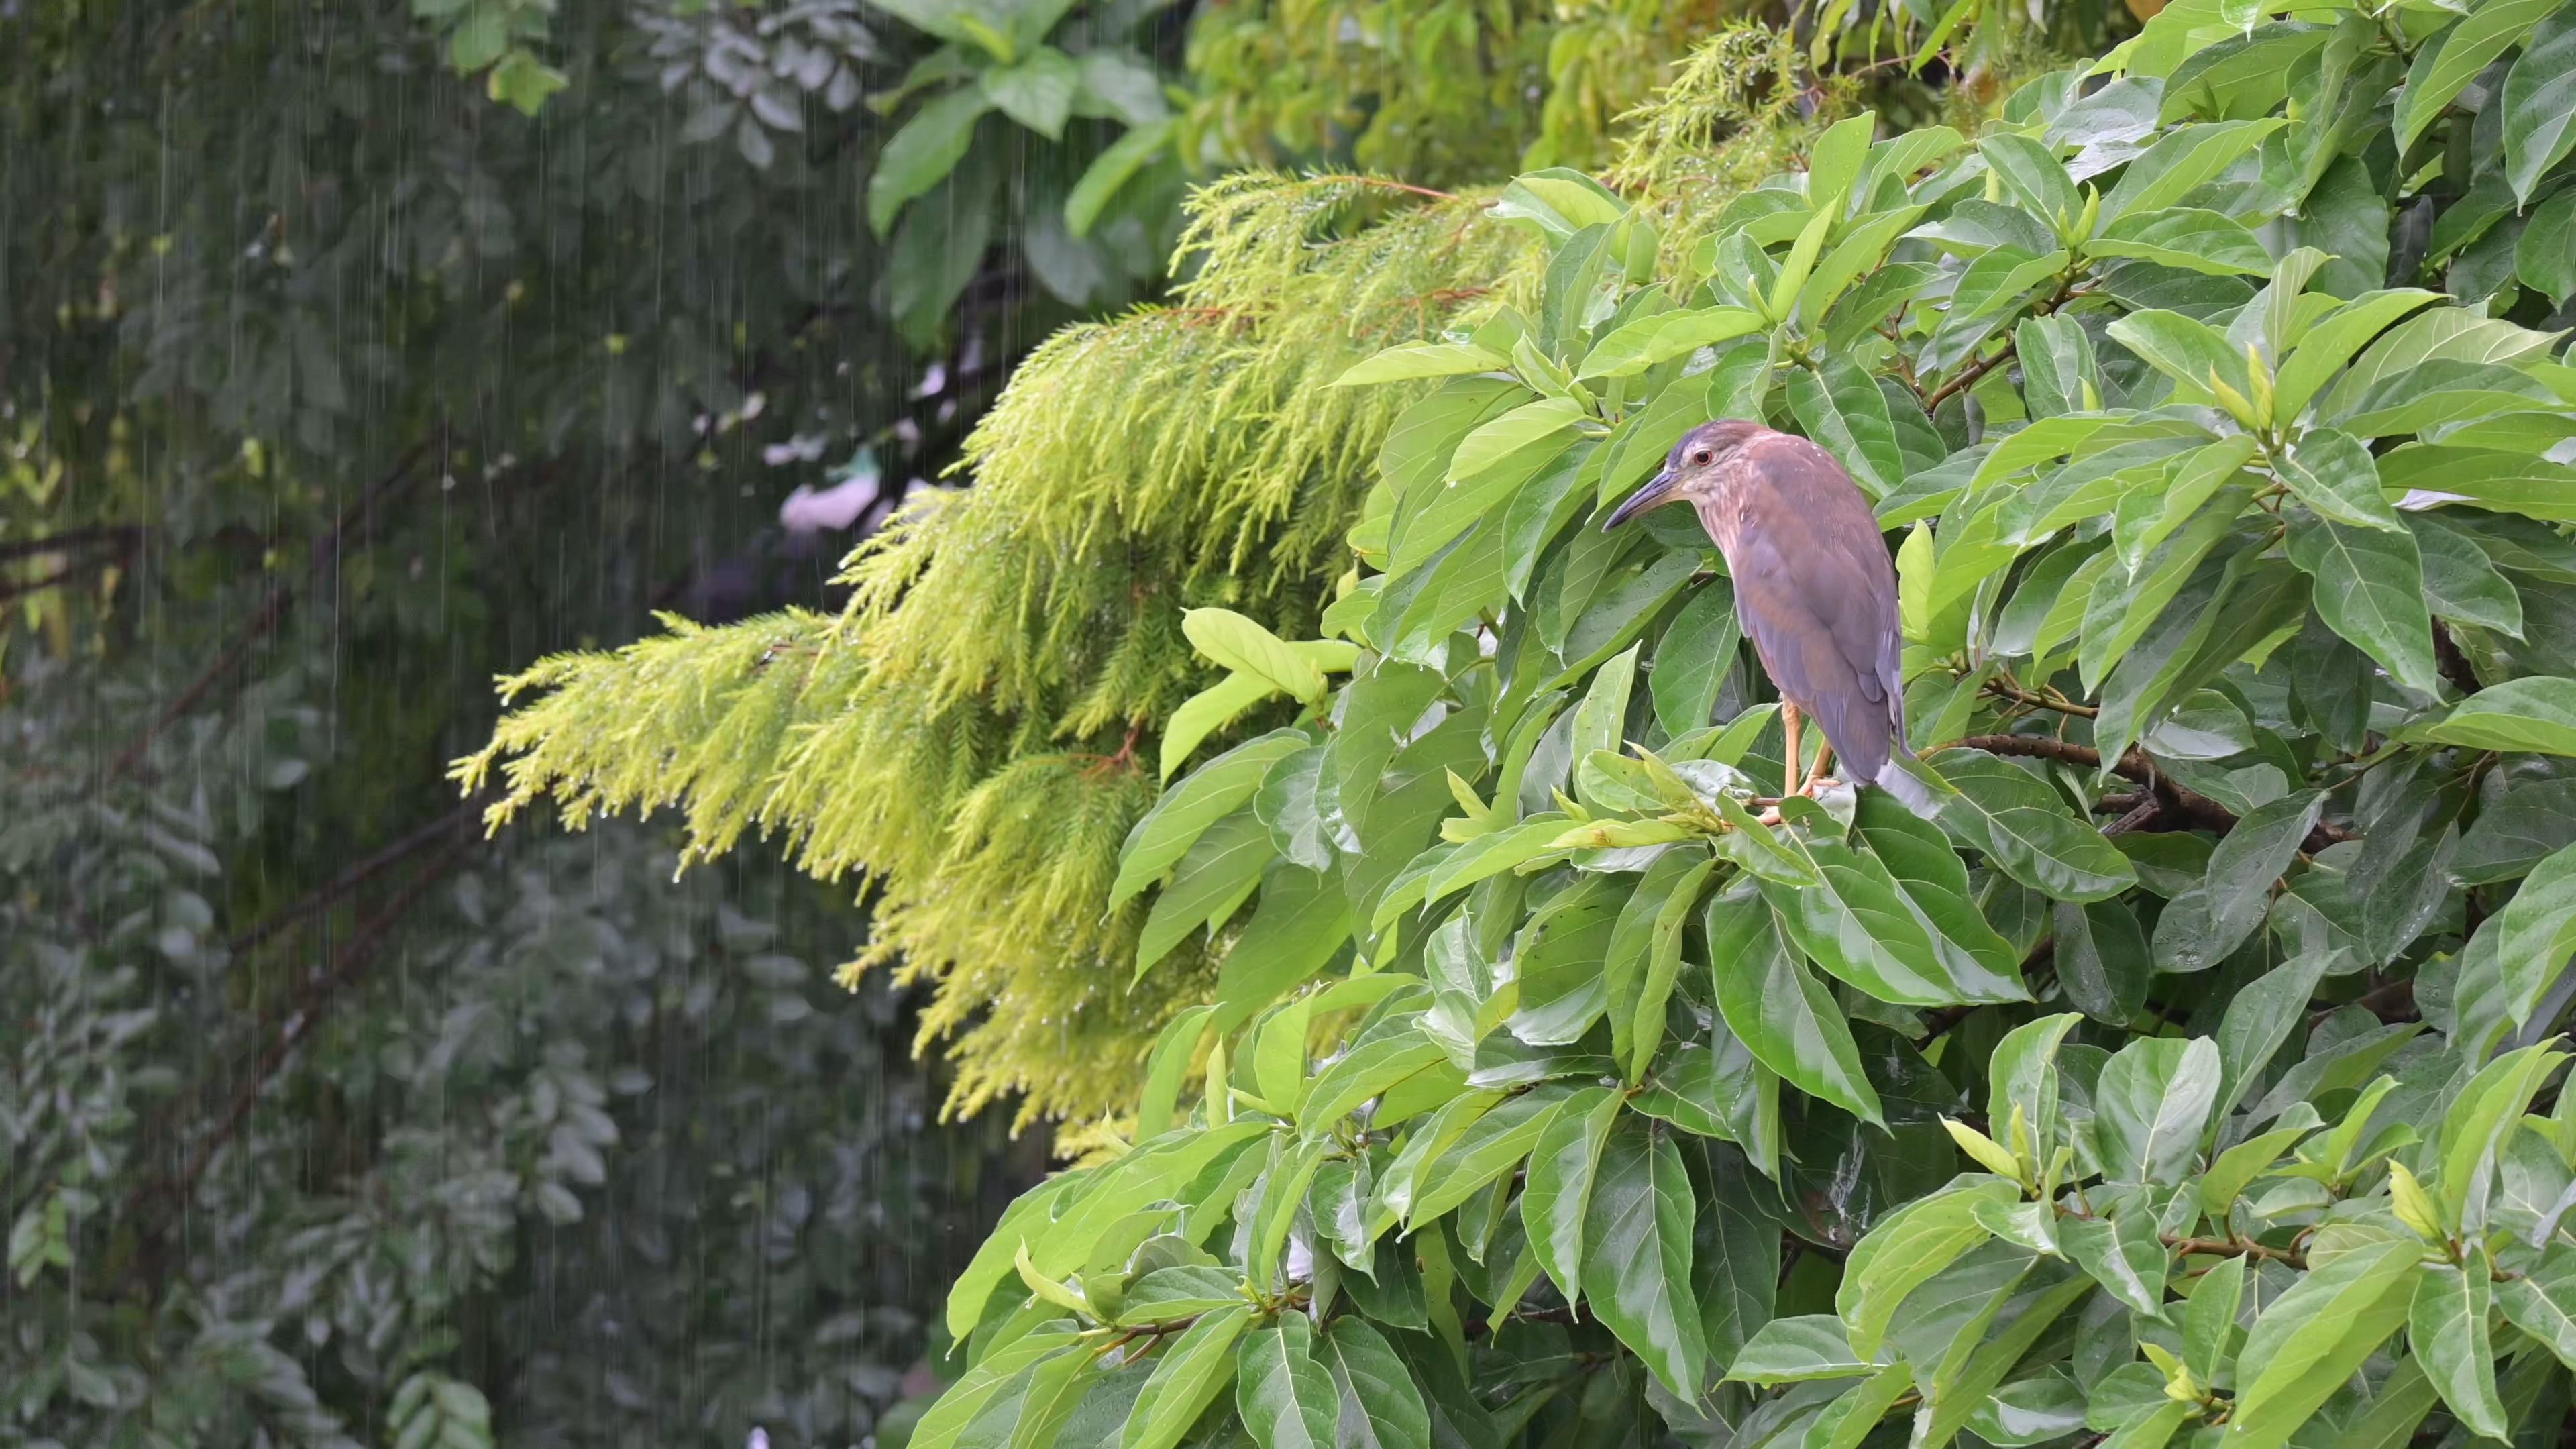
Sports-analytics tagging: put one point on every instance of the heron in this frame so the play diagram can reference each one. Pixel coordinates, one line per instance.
(1813, 588)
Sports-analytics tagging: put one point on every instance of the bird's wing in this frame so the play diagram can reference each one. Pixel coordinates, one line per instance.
(1815, 591)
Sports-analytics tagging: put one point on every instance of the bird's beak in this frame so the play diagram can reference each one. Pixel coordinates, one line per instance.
(1658, 490)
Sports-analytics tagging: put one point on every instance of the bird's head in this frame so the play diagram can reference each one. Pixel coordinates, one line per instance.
(1693, 472)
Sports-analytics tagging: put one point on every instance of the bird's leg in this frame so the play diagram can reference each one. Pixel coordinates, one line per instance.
(1789, 727)
(1824, 763)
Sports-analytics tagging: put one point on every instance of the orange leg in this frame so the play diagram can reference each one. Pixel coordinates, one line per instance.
(1796, 774)
(1824, 763)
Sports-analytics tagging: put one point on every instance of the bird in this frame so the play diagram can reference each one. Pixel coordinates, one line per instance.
(1814, 590)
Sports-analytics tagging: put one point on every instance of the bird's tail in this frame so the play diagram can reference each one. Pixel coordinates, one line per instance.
(1910, 781)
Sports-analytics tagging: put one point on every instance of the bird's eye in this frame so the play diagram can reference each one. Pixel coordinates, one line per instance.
(1700, 458)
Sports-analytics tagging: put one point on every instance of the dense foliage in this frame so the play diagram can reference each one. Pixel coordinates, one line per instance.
(1550, 1094)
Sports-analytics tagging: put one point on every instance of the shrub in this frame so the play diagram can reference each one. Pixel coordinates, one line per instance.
(1547, 1094)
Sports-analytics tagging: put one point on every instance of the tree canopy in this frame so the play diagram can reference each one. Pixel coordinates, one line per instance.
(2189, 1077)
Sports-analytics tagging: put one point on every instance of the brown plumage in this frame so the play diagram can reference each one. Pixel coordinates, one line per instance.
(1813, 585)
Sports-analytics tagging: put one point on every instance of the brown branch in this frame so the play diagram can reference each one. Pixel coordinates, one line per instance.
(2198, 809)
(2453, 665)
(63, 575)
(311, 1005)
(2018, 695)
(322, 898)
(124, 535)
(281, 596)
(2233, 1248)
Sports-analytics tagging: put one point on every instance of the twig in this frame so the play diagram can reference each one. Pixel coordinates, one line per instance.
(2019, 695)
(2203, 812)
(123, 534)
(312, 1004)
(2233, 1248)
(323, 897)
(281, 596)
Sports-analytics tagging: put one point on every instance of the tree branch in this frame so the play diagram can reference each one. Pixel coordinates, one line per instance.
(457, 821)
(281, 596)
(2201, 811)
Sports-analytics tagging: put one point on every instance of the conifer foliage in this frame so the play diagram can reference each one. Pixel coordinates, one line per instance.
(2190, 1078)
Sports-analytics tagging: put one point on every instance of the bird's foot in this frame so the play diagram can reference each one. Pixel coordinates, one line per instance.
(1768, 817)
(1820, 783)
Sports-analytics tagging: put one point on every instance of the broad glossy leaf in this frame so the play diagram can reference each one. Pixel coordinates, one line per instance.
(2123, 1254)
(1185, 811)
(1220, 870)
(2316, 1334)
(2102, 959)
(2452, 59)
(2540, 103)
(2185, 237)
(1788, 1021)
(1650, 340)
(2461, 583)
(2022, 825)
(2447, 1328)
(1194, 1370)
(1494, 1145)
(1420, 360)
(1842, 409)
(1299, 926)
(2154, 1097)
(1557, 1198)
(1692, 658)
(2333, 340)
(2259, 1020)
(1637, 1254)
(1180, 1292)
(1247, 647)
(1799, 1349)
(2332, 473)
(2539, 929)
(2209, 1321)
(2535, 714)
(2180, 161)
(1381, 1406)
(1904, 1251)
(2511, 835)
(2035, 175)
(2542, 1303)
(921, 155)
(2370, 589)
(2245, 865)
(1859, 926)
(1285, 1398)
(985, 1385)
(1204, 713)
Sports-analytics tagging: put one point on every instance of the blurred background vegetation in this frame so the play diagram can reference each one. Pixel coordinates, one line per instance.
(352, 354)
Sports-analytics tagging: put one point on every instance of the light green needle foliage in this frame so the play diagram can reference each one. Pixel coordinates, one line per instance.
(2189, 1076)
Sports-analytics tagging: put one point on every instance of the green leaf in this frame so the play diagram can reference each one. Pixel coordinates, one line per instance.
(2316, 1334)
(2259, 1020)
(2154, 1097)
(1692, 659)
(2370, 589)
(2462, 583)
(2123, 1254)
(1209, 710)
(1365, 1071)
(1905, 1250)
(2538, 932)
(2102, 959)
(1648, 341)
(1381, 1408)
(1861, 927)
(2453, 59)
(1843, 411)
(1284, 1397)
(1037, 92)
(2033, 174)
(1113, 168)
(1185, 811)
(1788, 1021)
(1245, 646)
(1193, 1372)
(981, 1386)
(2448, 1329)
(1184, 1291)
(1420, 360)
(2180, 161)
(921, 155)
(1834, 161)
(1799, 1349)
(2542, 1303)
(1494, 1145)
(2185, 237)
(1222, 868)
(1556, 1201)
(1600, 720)
(2188, 351)
(1637, 1255)
(2536, 714)
(2540, 104)
(2333, 339)
(2332, 473)
(2022, 825)
(2209, 1320)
